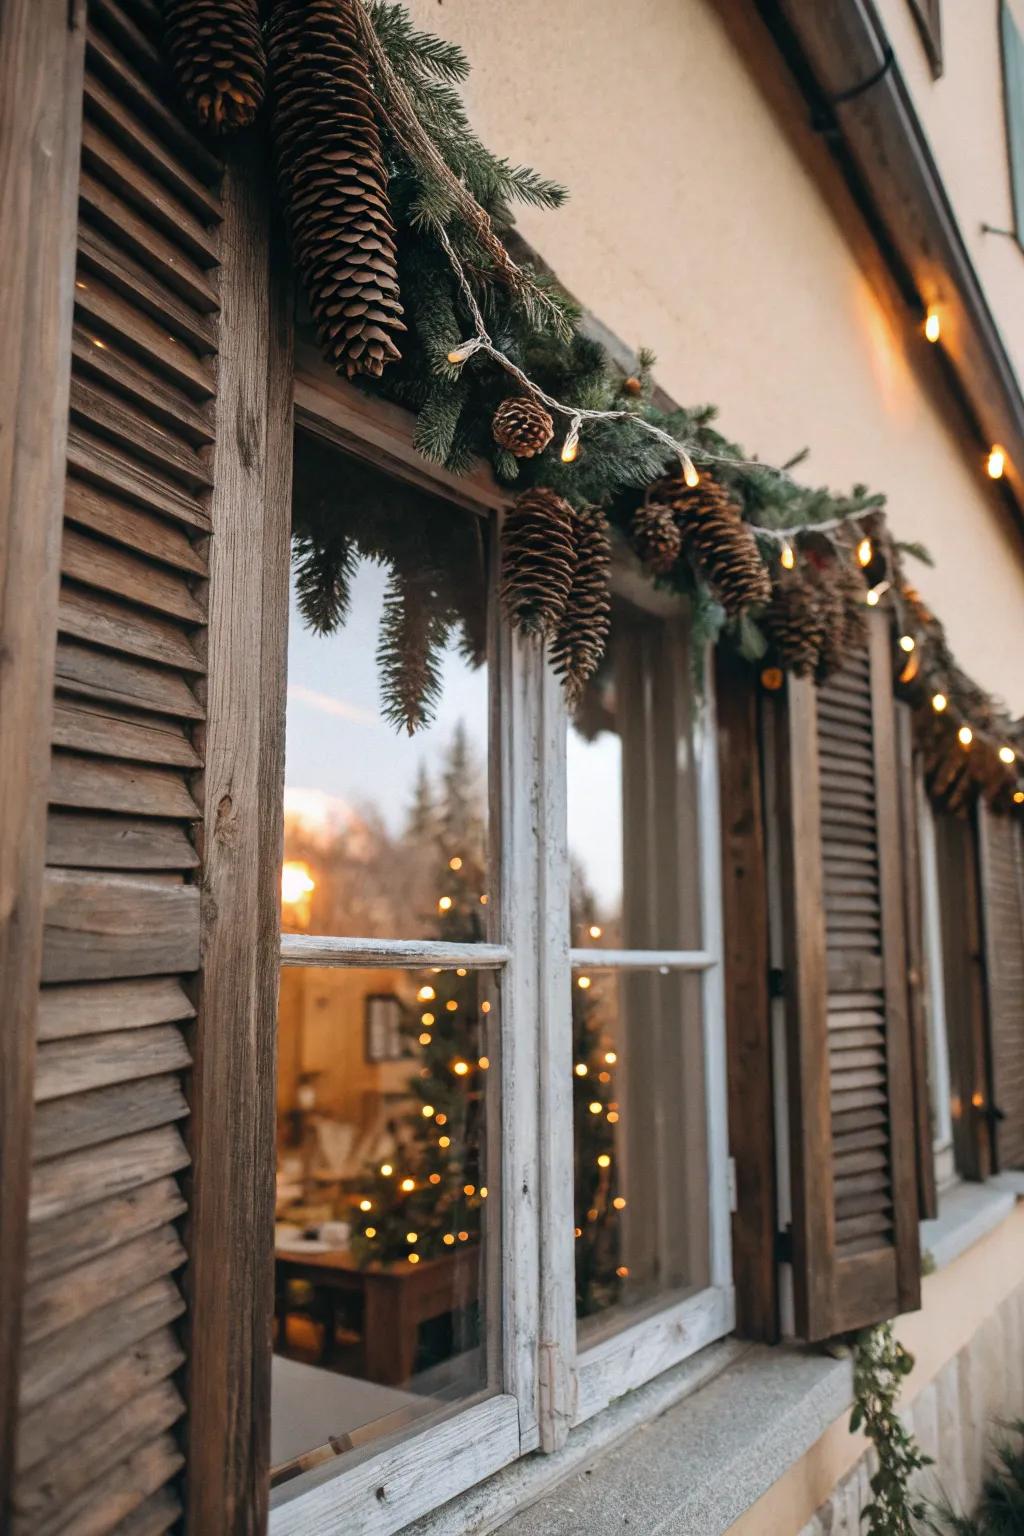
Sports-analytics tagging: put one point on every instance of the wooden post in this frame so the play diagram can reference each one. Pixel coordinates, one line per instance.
(42, 45)
(230, 1235)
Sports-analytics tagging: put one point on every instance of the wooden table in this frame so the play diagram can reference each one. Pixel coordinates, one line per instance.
(396, 1299)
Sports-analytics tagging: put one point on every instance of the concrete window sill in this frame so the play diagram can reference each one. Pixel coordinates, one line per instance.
(966, 1213)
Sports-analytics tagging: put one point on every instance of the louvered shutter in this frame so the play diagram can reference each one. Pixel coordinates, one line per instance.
(1001, 849)
(855, 1238)
(117, 1184)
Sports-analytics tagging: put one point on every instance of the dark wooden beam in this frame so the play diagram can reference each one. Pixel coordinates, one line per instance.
(841, 56)
(42, 47)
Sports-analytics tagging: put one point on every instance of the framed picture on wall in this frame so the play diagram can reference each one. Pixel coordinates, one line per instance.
(383, 1023)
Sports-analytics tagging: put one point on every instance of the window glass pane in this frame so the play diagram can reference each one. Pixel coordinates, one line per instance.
(371, 812)
(386, 1199)
(641, 1193)
(632, 789)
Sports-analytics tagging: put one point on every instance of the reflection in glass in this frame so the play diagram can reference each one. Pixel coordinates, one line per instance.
(632, 791)
(385, 1190)
(639, 1142)
(367, 805)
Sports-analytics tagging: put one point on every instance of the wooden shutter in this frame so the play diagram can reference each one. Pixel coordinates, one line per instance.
(170, 349)
(1001, 850)
(854, 1229)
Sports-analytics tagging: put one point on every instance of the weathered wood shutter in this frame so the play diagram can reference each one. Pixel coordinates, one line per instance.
(1001, 850)
(855, 1238)
(164, 784)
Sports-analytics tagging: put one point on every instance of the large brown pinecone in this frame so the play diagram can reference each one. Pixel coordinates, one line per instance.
(216, 51)
(581, 637)
(656, 537)
(718, 541)
(795, 624)
(853, 591)
(538, 558)
(522, 426)
(334, 181)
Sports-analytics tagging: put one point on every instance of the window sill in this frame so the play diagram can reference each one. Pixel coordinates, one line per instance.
(691, 1451)
(967, 1212)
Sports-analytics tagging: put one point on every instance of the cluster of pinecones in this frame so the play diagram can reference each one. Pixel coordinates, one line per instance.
(704, 522)
(814, 624)
(327, 147)
(555, 582)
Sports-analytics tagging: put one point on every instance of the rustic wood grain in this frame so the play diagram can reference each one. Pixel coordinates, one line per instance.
(98, 1007)
(52, 1365)
(41, 62)
(74, 1066)
(1001, 869)
(76, 1238)
(120, 302)
(119, 365)
(77, 840)
(114, 1496)
(105, 621)
(98, 926)
(70, 1298)
(94, 459)
(49, 1430)
(86, 1119)
(231, 1137)
(109, 731)
(123, 680)
(68, 1183)
(115, 519)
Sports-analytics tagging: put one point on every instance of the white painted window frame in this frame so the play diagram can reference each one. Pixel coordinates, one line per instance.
(935, 997)
(545, 1386)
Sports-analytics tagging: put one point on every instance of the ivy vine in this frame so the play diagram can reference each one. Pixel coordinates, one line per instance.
(880, 1364)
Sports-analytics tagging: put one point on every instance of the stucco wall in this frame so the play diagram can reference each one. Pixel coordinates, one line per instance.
(699, 225)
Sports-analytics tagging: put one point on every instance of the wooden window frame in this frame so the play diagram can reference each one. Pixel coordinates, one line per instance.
(935, 995)
(545, 1385)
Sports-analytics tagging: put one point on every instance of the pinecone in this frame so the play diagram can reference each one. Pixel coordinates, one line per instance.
(656, 537)
(216, 51)
(522, 426)
(795, 625)
(334, 182)
(538, 557)
(840, 596)
(718, 541)
(582, 635)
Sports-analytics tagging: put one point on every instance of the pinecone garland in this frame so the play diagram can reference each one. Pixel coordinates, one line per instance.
(717, 540)
(522, 426)
(656, 537)
(795, 624)
(851, 588)
(538, 558)
(334, 182)
(216, 51)
(582, 635)
(832, 651)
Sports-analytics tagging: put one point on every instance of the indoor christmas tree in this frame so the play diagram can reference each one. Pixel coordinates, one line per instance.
(425, 1199)
(597, 1199)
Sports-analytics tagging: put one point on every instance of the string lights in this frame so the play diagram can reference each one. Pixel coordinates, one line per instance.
(932, 324)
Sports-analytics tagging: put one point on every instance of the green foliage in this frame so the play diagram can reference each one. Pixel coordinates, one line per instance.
(880, 1364)
(413, 634)
(1000, 1511)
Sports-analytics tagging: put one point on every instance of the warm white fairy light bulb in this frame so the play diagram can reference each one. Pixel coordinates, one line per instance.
(907, 643)
(965, 735)
(690, 473)
(864, 552)
(939, 702)
(1007, 755)
(996, 462)
(933, 324)
(571, 446)
(787, 557)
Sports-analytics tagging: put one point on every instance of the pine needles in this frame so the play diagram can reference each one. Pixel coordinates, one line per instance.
(1000, 1511)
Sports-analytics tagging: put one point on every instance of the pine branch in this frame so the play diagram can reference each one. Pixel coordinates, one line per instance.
(412, 638)
(411, 51)
(324, 562)
(437, 423)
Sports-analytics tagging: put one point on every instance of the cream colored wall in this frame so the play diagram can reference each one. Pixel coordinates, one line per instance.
(963, 117)
(696, 226)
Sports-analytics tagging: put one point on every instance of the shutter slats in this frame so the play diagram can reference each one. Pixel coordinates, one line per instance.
(100, 1411)
(856, 1236)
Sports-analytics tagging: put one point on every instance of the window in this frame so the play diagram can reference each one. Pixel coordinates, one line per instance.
(1013, 92)
(472, 915)
(928, 16)
(935, 998)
